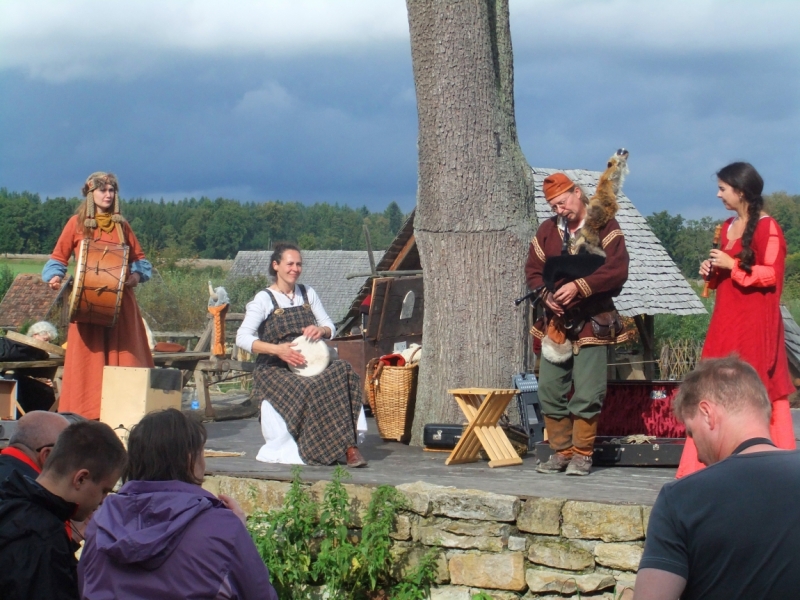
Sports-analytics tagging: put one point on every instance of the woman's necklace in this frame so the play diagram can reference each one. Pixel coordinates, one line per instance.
(289, 295)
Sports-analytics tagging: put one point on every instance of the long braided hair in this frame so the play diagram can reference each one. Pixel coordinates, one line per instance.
(744, 178)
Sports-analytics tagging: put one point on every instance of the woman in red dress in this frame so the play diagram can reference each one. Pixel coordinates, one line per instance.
(747, 273)
(91, 347)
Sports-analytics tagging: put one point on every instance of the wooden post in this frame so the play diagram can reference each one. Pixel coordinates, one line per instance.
(201, 385)
(611, 358)
(371, 256)
(646, 326)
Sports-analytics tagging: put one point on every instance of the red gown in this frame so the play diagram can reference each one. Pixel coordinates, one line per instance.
(747, 320)
(91, 347)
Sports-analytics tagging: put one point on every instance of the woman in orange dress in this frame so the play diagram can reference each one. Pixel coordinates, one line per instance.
(747, 273)
(91, 347)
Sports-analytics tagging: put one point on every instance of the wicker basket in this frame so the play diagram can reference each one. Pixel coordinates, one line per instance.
(391, 392)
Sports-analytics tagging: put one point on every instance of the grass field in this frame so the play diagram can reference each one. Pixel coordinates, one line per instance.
(26, 265)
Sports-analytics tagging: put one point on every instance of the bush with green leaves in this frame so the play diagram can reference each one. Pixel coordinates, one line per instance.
(242, 290)
(307, 545)
(6, 279)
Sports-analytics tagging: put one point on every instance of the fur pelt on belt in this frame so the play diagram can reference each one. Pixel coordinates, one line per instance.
(556, 347)
(603, 205)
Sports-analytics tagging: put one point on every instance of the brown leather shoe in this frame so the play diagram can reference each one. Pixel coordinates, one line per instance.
(354, 458)
(579, 465)
(555, 464)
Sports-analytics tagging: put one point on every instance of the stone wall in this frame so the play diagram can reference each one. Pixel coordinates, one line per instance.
(502, 545)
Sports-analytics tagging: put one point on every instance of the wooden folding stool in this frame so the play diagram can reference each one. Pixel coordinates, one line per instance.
(483, 408)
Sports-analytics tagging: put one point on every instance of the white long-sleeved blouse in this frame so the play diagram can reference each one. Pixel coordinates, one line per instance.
(260, 307)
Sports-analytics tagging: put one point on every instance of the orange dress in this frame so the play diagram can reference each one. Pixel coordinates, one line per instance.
(91, 347)
(747, 321)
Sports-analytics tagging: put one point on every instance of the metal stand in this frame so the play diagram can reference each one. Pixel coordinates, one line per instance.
(530, 411)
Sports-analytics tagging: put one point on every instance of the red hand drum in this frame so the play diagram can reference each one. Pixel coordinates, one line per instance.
(99, 282)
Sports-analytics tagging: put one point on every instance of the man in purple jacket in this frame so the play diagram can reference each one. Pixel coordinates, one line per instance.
(163, 536)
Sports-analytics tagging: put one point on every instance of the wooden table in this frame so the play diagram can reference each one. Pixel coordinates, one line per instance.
(53, 368)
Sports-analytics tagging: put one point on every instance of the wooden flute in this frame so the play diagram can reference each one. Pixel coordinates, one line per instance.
(714, 246)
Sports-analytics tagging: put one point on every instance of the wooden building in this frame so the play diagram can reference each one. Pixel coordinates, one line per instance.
(29, 299)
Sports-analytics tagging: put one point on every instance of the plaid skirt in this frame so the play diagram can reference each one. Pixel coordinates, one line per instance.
(320, 411)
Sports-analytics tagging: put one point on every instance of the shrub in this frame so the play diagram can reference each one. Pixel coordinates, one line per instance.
(306, 545)
(243, 289)
(6, 279)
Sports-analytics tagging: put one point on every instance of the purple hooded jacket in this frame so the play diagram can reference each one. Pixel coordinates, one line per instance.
(169, 539)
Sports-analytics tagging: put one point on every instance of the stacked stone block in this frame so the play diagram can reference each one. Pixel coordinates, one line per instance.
(502, 545)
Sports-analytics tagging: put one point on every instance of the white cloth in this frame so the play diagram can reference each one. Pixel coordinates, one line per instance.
(280, 446)
(260, 307)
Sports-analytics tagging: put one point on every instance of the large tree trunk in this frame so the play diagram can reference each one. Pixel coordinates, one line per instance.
(474, 218)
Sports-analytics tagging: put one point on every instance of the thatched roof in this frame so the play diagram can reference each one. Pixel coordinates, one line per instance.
(324, 270)
(655, 284)
(29, 299)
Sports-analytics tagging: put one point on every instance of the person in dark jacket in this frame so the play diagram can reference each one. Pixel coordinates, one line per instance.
(162, 535)
(31, 443)
(37, 557)
(33, 393)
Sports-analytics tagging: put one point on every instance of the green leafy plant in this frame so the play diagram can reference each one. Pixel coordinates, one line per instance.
(283, 539)
(6, 279)
(307, 545)
(337, 563)
(416, 585)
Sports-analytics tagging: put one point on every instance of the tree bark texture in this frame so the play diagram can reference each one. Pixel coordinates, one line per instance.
(475, 217)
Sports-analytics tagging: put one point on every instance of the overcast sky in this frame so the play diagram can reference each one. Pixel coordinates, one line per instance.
(314, 100)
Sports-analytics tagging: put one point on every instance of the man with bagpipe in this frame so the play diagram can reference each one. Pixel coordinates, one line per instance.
(577, 263)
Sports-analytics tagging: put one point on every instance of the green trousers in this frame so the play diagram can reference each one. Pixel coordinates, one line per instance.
(588, 371)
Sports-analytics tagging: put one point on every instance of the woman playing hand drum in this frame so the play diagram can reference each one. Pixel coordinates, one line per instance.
(747, 273)
(91, 347)
(321, 412)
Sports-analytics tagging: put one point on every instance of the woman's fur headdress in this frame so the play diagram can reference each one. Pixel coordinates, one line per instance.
(603, 205)
(94, 181)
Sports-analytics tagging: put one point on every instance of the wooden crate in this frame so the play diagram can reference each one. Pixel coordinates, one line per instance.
(8, 399)
(129, 393)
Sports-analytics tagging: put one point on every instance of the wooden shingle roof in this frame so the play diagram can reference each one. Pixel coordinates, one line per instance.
(655, 284)
(29, 299)
(323, 270)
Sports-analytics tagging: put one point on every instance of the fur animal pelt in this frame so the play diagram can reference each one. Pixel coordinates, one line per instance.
(603, 205)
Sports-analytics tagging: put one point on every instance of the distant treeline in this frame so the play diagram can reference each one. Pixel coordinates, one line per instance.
(689, 241)
(219, 228)
(203, 228)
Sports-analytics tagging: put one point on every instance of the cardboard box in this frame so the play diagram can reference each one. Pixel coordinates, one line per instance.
(129, 393)
(8, 399)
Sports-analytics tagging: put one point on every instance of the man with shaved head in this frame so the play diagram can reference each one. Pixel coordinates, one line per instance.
(732, 530)
(31, 444)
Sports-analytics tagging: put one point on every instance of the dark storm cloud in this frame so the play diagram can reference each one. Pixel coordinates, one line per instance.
(315, 129)
(314, 101)
(682, 117)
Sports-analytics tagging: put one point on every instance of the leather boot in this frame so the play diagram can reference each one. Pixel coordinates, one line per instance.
(354, 458)
(559, 435)
(584, 432)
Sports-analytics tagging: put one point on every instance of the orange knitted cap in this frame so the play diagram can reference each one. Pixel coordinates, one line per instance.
(555, 185)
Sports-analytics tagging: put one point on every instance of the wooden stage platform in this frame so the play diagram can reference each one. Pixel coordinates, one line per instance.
(394, 463)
